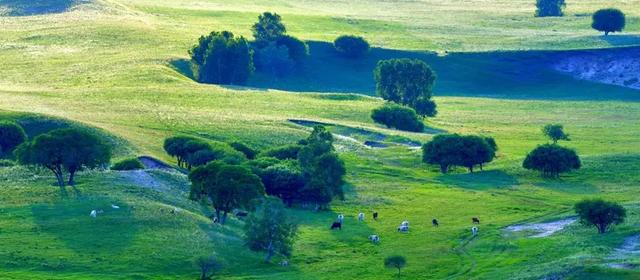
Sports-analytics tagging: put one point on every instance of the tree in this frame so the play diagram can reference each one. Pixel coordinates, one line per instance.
(282, 152)
(551, 160)
(408, 82)
(207, 266)
(268, 28)
(397, 116)
(249, 152)
(298, 49)
(268, 229)
(226, 186)
(11, 135)
(550, 8)
(284, 180)
(175, 147)
(555, 132)
(397, 262)
(275, 60)
(456, 150)
(68, 149)
(222, 58)
(351, 46)
(608, 20)
(601, 214)
(128, 164)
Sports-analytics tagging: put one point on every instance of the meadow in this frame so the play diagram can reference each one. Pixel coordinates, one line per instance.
(111, 65)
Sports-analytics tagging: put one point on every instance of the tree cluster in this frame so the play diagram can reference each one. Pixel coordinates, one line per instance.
(407, 82)
(65, 151)
(449, 150)
(276, 52)
(552, 159)
(191, 152)
(222, 58)
(608, 20)
(399, 117)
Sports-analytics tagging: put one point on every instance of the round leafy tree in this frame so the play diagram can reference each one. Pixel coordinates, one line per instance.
(397, 262)
(11, 135)
(549, 8)
(551, 160)
(408, 82)
(608, 20)
(449, 150)
(222, 58)
(601, 214)
(351, 46)
(268, 28)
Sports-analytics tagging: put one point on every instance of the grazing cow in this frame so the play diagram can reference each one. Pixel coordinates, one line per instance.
(115, 206)
(336, 225)
(241, 214)
(361, 217)
(403, 228)
(375, 239)
(474, 231)
(340, 218)
(475, 220)
(375, 216)
(435, 223)
(93, 214)
(405, 223)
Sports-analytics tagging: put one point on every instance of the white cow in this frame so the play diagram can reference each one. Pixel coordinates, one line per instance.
(115, 206)
(340, 218)
(93, 214)
(375, 239)
(405, 223)
(474, 231)
(361, 217)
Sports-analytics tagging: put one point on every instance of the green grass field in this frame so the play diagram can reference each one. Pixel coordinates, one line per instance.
(111, 65)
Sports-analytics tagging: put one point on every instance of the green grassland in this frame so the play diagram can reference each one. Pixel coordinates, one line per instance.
(111, 65)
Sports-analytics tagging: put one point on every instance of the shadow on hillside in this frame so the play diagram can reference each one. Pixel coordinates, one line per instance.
(483, 180)
(621, 39)
(69, 221)
(37, 7)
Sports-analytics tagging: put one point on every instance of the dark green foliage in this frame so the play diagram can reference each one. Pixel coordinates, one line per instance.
(601, 214)
(284, 180)
(397, 116)
(408, 82)
(550, 8)
(175, 147)
(226, 186)
(243, 148)
(456, 150)
(397, 262)
(128, 164)
(608, 20)
(11, 135)
(268, 229)
(298, 49)
(6, 163)
(282, 152)
(555, 132)
(351, 46)
(222, 58)
(63, 150)
(268, 28)
(204, 156)
(190, 151)
(208, 267)
(551, 160)
(275, 60)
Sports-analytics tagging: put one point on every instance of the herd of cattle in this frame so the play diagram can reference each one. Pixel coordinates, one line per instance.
(404, 226)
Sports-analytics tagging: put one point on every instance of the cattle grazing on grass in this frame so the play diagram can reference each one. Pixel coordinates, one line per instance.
(402, 228)
(93, 214)
(475, 220)
(404, 223)
(435, 223)
(474, 231)
(375, 216)
(361, 217)
(375, 239)
(340, 218)
(115, 206)
(336, 225)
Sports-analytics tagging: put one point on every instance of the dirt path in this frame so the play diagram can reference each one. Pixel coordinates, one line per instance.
(630, 249)
(543, 229)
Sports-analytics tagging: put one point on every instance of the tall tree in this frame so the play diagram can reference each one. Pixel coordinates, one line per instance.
(551, 160)
(268, 229)
(268, 28)
(408, 82)
(550, 8)
(601, 214)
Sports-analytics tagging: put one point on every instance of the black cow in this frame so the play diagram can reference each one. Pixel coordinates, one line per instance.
(375, 216)
(434, 222)
(336, 225)
(475, 220)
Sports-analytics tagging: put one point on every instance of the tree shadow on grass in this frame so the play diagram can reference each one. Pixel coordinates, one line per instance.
(70, 221)
(567, 186)
(38, 7)
(183, 66)
(483, 180)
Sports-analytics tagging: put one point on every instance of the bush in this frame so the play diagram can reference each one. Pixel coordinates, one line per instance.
(351, 46)
(407, 82)
(298, 50)
(608, 20)
(601, 214)
(6, 163)
(128, 164)
(282, 152)
(11, 135)
(398, 117)
(243, 148)
(551, 160)
(455, 150)
(222, 58)
(549, 8)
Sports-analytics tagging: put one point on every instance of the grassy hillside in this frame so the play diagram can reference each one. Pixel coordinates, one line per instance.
(108, 65)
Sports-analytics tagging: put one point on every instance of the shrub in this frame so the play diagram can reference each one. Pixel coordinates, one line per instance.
(397, 262)
(298, 50)
(128, 164)
(608, 20)
(243, 148)
(275, 60)
(549, 8)
(398, 117)
(555, 132)
(6, 163)
(601, 214)
(407, 82)
(282, 152)
(551, 160)
(222, 58)
(351, 46)
(11, 135)
(455, 150)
